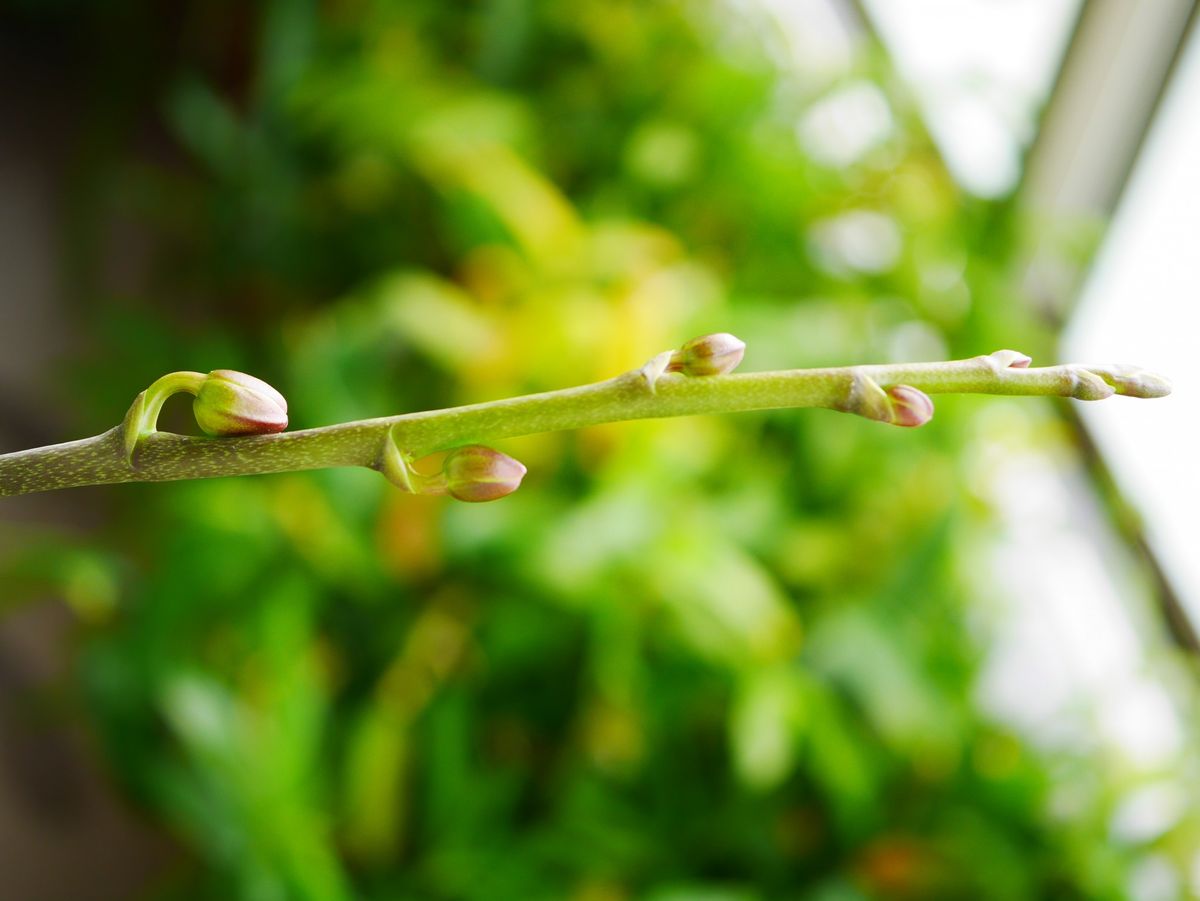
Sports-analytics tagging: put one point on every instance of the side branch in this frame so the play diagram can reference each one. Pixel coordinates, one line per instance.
(665, 387)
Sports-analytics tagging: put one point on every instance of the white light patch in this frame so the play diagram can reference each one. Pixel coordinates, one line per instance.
(857, 241)
(1067, 663)
(820, 39)
(1141, 304)
(1147, 813)
(982, 71)
(842, 128)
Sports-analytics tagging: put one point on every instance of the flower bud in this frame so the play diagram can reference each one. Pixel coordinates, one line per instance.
(1133, 381)
(233, 403)
(479, 473)
(910, 407)
(1087, 385)
(1009, 359)
(708, 355)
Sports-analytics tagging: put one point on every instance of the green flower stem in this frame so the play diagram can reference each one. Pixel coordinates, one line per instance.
(142, 418)
(634, 395)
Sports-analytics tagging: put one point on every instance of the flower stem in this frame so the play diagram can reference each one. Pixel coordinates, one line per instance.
(634, 395)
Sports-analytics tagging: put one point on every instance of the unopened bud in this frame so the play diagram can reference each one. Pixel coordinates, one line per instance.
(479, 473)
(1087, 385)
(1009, 359)
(1133, 381)
(910, 407)
(708, 355)
(233, 403)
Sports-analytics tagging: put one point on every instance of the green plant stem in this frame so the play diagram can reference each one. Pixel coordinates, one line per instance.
(164, 457)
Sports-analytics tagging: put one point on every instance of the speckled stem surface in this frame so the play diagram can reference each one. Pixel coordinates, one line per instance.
(165, 456)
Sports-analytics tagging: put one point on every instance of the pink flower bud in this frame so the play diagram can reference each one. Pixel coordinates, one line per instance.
(1009, 359)
(233, 403)
(910, 407)
(708, 355)
(479, 474)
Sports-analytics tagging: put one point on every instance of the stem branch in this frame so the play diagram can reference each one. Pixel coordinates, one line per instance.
(161, 457)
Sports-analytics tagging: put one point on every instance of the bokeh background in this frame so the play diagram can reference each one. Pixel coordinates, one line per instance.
(781, 655)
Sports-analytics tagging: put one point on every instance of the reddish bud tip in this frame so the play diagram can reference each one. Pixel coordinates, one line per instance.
(233, 403)
(708, 355)
(910, 407)
(479, 474)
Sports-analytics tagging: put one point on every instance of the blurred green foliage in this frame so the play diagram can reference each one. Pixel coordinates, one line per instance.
(721, 658)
